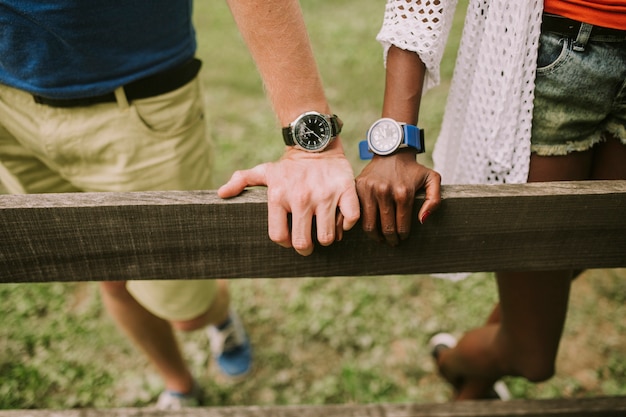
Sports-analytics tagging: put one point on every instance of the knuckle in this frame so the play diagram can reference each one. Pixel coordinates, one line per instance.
(352, 217)
(300, 244)
(383, 188)
(274, 195)
(326, 239)
(368, 227)
(278, 237)
(403, 194)
(389, 230)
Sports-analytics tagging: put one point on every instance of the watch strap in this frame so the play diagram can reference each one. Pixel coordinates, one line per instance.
(364, 150)
(287, 136)
(414, 138)
(335, 125)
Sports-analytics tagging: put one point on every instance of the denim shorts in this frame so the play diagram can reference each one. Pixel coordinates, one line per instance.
(580, 92)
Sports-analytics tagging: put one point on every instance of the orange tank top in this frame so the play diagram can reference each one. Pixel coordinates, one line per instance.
(607, 13)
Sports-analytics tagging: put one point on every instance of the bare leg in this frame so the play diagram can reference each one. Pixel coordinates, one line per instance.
(534, 306)
(523, 343)
(522, 334)
(609, 161)
(155, 336)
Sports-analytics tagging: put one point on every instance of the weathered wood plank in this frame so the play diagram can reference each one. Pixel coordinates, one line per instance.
(169, 235)
(573, 407)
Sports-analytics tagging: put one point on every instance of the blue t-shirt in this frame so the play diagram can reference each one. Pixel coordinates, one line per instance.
(82, 48)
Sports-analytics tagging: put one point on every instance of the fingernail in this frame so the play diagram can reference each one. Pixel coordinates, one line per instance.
(424, 216)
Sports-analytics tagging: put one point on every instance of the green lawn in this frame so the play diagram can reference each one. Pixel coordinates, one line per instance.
(343, 34)
(316, 340)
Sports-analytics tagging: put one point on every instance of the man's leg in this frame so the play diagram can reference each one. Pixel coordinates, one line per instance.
(153, 335)
(118, 148)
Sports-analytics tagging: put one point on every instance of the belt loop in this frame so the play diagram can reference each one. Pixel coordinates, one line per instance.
(120, 97)
(583, 37)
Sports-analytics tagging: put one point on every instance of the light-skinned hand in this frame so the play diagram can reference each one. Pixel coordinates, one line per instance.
(312, 187)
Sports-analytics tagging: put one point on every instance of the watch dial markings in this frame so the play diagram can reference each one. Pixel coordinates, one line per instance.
(384, 136)
(312, 132)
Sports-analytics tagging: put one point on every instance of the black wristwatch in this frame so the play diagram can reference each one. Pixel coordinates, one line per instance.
(312, 131)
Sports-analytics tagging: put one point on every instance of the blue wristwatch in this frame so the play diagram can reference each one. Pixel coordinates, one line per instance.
(386, 136)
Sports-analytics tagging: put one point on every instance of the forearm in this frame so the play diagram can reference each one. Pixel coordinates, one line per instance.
(276, 36)
(403, 85)
(307, 191)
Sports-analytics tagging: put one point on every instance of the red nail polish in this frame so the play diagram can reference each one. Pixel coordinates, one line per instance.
(424, 216)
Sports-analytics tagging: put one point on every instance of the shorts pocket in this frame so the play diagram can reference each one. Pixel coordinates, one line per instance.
(554, 51)
(171, 113)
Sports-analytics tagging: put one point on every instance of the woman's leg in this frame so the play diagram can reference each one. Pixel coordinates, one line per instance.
(523, 342)
(522, 334)
(609, 161)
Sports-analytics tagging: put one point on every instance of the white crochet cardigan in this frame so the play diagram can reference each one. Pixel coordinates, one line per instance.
(485, 134)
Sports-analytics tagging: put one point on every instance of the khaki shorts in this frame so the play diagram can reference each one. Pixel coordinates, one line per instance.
(157, 143)
(174, 300)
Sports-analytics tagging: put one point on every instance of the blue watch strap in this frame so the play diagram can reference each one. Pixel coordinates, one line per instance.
(414, 138)
(364, 150)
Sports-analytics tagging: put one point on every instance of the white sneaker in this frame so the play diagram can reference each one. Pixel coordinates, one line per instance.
(172, 400)
(442, 341)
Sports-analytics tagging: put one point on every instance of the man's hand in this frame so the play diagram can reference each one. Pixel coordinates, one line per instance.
(305, 185)
(387, 188)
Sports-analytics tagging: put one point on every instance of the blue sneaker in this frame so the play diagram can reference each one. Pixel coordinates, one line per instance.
(231, 348)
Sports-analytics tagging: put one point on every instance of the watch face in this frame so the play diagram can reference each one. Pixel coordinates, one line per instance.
(312, 132)
(384, 136)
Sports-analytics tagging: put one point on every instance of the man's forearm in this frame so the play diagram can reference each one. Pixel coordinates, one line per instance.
(276, 36)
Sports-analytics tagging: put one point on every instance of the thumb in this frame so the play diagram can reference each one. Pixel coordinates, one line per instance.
(242, 179)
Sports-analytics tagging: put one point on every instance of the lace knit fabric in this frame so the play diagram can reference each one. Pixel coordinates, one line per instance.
(485, 134)
(420, 26)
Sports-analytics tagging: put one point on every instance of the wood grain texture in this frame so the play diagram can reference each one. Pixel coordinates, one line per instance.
(171, 235)
(573, 407)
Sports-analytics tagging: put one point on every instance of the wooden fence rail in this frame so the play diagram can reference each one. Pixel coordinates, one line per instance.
(169, 235)
(573, 407)
(166, 235)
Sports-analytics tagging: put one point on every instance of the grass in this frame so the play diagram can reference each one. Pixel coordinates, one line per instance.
(350, 60)
(316, 341)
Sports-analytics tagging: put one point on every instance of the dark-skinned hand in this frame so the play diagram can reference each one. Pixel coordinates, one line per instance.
(387, 187)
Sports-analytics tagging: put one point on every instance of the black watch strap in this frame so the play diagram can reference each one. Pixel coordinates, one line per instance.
(287, 137)
(336, 125)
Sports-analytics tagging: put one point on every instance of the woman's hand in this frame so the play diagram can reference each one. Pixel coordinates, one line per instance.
(387, 188)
